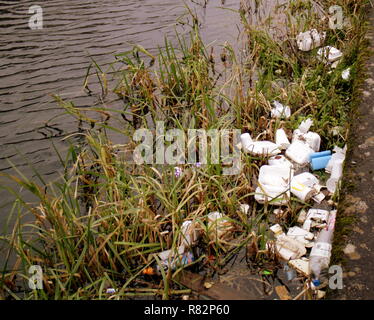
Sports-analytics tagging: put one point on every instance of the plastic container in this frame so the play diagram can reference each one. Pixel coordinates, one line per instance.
(304, 186)
(281, 139)
(320, 255)
(320, 154)
(299, 152)
(246, 140)
(313, 140)
(262, 148)
(280, 161)
(320, 163)
(336, 174)
(309, 40)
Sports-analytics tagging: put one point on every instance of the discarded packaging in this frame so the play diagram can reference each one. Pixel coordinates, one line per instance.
(189, 233)
(315, 218)
(280, 111)
(301, 266)
(299, 152)
(302, 216)
(274, 184)
(172, 259)
(321, 252)
(246, 140)
(262, 148)
(336, 174)
(218, 225)
(329, 54)
(301, 235)
(339, 154)
(290, 272)
(280, 161)
(287, 247)
(319, 163)
(305, 125)
(244, 208)
(311, 138)
(305, 186)
(281, 139)
(309, 40)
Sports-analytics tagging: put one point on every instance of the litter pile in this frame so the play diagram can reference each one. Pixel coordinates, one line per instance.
(306, 247)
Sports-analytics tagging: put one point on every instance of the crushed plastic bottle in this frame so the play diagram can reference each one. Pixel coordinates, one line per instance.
(320, 255)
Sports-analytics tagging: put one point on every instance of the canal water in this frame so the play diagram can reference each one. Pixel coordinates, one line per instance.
(36, 64)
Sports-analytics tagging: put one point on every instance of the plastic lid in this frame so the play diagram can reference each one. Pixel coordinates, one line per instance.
(316, 282)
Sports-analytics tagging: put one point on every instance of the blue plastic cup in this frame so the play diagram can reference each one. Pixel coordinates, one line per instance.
(320, 163)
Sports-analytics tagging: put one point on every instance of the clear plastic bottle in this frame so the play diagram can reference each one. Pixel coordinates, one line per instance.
(320, 255)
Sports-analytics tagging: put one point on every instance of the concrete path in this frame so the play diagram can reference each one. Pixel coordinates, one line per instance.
(358, 246)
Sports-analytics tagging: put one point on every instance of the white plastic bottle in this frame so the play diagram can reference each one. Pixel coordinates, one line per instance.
(320, 255)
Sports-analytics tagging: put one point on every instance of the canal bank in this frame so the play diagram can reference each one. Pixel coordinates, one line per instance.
(355, 236)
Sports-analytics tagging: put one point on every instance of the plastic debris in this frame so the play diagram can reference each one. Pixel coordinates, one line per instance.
(309, 40)
(280, 111)
(290, 272)
(280, 161)
(311, 138)
(305, 125)
(218, 225)
(346, 74)
(301, 235)
(287, 247)
(321, 252)
(281, 139)
(189, 233)
(320, 160)
(315, 218)
(339, 154)
(246, 140)
(329, 54)
(244, 208)
(336, 174)
(299, 152)
(301, 266)
(305, 186)
(274, 184)
(302, 216)
(262, 148)
(111, 290)
(172, 259)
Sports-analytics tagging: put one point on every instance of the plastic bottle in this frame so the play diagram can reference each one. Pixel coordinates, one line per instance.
(320, 255)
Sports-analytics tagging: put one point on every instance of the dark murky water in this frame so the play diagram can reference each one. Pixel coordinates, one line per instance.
(34, 64)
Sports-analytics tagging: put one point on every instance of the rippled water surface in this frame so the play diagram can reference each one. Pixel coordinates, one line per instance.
(34, 64)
